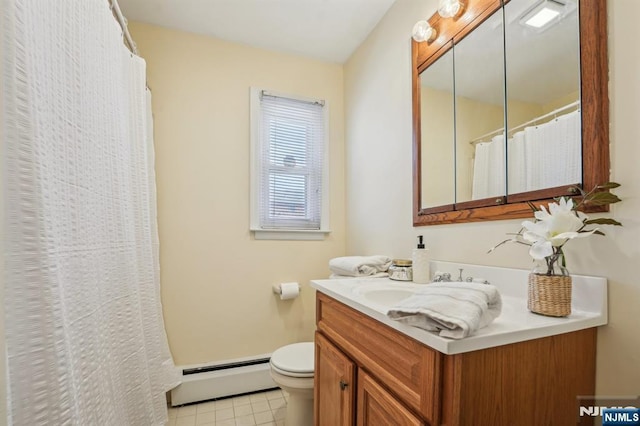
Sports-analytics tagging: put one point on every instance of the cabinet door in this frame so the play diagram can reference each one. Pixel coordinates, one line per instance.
(334, 385)
(409, 369)
(377, 407)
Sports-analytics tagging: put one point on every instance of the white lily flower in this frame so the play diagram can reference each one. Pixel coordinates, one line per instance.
(553, 228)
(541, 249)
(557, 225)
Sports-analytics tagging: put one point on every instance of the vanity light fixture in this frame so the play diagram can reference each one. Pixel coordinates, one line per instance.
(543, 14)
(449, 8)
(422, 31)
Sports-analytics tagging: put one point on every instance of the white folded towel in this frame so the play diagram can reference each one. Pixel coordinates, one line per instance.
(359, 266)
(457, 310)
(346, 277)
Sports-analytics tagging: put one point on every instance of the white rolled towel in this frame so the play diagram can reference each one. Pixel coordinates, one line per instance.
(359, 266)
(455, 310)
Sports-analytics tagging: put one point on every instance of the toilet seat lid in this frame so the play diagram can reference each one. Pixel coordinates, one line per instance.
(295, 359)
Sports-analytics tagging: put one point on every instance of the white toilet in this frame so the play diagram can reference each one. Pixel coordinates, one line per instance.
(292, 369)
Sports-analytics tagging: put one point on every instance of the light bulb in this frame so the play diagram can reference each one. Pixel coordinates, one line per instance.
(449, 8)
(422, 31)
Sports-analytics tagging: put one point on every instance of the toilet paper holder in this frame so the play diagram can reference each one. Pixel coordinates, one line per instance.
(287, 290)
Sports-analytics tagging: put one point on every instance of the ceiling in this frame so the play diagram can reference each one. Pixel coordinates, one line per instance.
(328, 30)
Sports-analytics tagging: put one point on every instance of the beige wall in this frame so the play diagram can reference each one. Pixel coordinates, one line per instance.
(437, 115)
(379, 202)
(216, 279)
(3, 384)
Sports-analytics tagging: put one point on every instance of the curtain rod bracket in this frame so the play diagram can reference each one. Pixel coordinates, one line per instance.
(122, 21)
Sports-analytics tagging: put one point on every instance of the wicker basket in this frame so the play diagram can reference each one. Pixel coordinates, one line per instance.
(549, 295)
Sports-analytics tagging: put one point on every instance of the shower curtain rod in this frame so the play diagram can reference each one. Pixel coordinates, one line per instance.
(486, 135)
(115, 8)
(549, 114)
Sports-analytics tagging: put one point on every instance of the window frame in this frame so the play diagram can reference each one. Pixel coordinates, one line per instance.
(256, 192)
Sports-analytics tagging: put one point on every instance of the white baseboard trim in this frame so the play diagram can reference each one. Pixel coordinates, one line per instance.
(220, 383)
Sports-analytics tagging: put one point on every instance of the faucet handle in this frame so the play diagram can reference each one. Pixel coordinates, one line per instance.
(439, 277)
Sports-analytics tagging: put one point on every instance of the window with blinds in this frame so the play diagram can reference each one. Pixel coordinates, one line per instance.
(290, 155)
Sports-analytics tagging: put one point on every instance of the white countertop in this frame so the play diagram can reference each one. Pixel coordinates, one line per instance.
(515, 323)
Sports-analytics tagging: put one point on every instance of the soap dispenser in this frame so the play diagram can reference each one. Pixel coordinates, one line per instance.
(420, 262)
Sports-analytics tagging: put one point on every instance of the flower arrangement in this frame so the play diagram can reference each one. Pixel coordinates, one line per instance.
(562, 222)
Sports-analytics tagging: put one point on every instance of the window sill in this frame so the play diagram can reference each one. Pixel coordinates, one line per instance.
(290, 234)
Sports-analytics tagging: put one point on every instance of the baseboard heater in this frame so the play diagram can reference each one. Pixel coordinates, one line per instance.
(224, 379)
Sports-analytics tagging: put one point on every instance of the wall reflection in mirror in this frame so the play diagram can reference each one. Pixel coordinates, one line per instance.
(438, 129)
(531, 66)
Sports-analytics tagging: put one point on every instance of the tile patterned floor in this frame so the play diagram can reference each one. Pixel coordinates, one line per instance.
(264, 408)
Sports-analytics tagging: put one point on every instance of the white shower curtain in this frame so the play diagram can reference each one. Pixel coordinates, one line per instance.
(489, 169)
(542, 156)
(85, 338)
(553, 152)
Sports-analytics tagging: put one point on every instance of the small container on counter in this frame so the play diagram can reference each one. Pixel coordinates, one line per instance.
(401, 270)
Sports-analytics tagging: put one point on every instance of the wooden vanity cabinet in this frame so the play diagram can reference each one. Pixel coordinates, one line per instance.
(336, 393)
(389, 378)
(376, 406)
(335, 374)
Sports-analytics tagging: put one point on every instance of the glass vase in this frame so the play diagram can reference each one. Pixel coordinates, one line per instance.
(549, 291)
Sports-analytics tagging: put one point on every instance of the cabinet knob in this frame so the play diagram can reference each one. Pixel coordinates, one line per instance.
(343, 385)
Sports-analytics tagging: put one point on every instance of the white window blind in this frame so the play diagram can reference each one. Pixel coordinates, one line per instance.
(291, 153)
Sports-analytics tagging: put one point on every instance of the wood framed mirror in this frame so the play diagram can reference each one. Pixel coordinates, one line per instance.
(431, 172)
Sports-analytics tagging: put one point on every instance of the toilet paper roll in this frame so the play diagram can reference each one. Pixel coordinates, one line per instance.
(289, 291)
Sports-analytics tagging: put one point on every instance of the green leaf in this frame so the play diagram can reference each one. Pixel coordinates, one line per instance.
(598, 232)
(602, 221)
(602, 199)
(608, 185)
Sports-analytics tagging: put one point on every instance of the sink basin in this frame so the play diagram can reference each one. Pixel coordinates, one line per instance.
(386, 295)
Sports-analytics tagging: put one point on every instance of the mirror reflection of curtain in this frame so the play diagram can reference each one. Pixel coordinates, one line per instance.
(553, 153)
(542, 156)
(488, 170)
(517, 163)
(85, 339)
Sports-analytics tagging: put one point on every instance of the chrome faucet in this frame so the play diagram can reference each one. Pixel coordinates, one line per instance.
(469, 279)
(445, 277)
